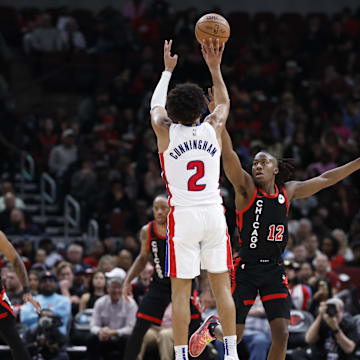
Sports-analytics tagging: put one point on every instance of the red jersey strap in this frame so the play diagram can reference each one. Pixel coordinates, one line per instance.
(149, 235)
(286, 199)
(240, 213)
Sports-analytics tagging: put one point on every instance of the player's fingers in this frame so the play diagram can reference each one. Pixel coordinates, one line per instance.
(217, 47)
(206, 100)
(204, 47)
(210, 92)
(211, 46)
(170, 43)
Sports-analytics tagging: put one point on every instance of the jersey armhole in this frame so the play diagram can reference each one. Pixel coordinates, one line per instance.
(286, 200)
(149, 236)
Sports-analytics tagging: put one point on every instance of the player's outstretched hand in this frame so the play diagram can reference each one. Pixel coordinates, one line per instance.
(170, 61)
(127, 291)
(212, 53)
(29, 298)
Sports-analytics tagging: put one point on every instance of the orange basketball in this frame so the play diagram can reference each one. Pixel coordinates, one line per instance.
(212, 26)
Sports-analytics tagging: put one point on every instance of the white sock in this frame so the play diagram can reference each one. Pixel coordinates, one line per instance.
(181, 352)
(230, 346)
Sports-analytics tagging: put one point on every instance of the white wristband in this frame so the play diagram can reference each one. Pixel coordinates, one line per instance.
(160, 93)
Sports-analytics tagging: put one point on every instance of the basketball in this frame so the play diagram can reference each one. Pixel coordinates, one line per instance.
(212, 26)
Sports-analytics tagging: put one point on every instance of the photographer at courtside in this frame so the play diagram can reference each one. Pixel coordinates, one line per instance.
(332, 336)
(46, 341)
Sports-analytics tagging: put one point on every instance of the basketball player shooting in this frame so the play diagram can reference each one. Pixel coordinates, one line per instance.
(8, 329)
(262, 202)
(190, 159)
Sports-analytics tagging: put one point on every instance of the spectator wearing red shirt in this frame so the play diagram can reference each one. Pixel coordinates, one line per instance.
(98, 252)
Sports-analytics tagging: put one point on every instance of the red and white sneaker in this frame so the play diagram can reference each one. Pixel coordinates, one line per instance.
(201, 337)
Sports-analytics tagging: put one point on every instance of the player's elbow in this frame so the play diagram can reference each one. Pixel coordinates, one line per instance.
(350, 348)
(310, 339)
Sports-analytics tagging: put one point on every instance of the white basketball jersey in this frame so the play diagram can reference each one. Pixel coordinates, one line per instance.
(191, 165)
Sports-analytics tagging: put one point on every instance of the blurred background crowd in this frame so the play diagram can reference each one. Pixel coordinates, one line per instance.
(82, 116)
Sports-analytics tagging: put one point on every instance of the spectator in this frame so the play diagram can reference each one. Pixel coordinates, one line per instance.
(19, 226)
(304, 230)
(300, 254)
(312, 246)
(63, 155)
(14, 289)
(84, 182)
(40, 259)
(306, 272)
(46, 341)
(45, 38)
(74, 255)
(323, 271)
(67, 285)
(60, 305)
(333, 334)
(48, 139)
(344, 250)
(7, 187)
(161, 337)
(99, 251)
(9, 200)
(34, 282)
(132, 244)
(125, 259)
(112, 322)
(330, 247)
(106, 263)
(52, 256)
(97, 289)
(300, 293)
(71, 39)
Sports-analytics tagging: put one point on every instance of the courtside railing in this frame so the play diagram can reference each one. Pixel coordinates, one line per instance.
(48, 192)
(72, 215)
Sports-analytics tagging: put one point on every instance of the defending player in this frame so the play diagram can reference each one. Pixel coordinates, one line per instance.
(262, 205)
(8, 329)
(190, 159)
(156, 300)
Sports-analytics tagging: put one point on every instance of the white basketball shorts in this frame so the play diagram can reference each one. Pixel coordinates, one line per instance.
(197, 236)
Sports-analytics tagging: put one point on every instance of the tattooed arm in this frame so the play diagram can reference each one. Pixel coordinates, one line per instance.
(10, 253)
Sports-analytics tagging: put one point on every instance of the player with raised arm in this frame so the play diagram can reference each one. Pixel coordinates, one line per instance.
(190, 159)
(8, 329)
(153, 305)
(262, 202)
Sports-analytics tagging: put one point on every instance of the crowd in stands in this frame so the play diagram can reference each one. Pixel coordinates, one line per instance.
(294, 83)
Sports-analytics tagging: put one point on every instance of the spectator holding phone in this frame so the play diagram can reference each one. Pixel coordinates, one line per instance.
(333, 335)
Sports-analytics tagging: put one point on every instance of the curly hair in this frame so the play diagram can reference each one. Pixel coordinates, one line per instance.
(286, 171)
(185, 103)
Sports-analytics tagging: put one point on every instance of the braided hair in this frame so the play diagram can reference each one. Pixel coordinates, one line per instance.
(286, 170)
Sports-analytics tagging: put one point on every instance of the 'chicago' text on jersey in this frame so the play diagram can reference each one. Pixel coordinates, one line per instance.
(157, 263)
(188, 145)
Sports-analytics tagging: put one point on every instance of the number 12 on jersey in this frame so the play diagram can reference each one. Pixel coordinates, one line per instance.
(200, 172)
(279, 232)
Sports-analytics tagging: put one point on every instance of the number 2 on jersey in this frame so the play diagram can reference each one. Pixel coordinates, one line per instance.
(279, 233)
(200, 172)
